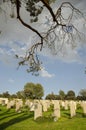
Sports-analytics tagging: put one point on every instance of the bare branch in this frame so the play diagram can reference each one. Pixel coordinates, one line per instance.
(50, 10)
(25, 24)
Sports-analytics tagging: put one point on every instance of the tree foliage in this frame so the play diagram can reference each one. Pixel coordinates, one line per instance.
(6, 94)
(70, 95)
(53, 96)
(20, 95)
(62, 94)
(82, 94)
(33, 91)
(36, 91)
(60, 30)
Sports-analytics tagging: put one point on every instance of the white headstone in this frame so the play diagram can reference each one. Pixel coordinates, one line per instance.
(66, 104)
(72, 105)
(84, 106)
(19, 105)
(56, 113)
(37, 111)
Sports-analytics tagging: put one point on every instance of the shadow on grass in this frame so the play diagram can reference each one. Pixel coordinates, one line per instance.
(4, 112)
(15, 120)
(7, 115)
(67, 114)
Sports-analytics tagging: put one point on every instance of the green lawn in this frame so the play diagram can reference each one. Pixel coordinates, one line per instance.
(10, 120)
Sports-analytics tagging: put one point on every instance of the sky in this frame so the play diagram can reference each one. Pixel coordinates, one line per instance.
(61, 72)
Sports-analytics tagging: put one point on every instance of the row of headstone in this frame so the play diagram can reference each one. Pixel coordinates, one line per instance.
(40, 106)
(16, 103)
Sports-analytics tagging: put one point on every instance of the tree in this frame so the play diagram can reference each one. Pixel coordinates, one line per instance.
(6, 94)
(61, 94)
(29, 90)
(52, 96)
(38, 91)
(82, 94)
(1, 95)
(20, 94)
(33, 91)
(70, 95)
(60, 30)
(13, 96)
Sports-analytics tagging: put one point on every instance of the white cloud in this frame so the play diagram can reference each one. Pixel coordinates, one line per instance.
(44, 73)
(10, 80)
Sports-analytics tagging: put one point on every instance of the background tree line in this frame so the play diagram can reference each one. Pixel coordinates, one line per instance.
(36, 91)
(70, 95)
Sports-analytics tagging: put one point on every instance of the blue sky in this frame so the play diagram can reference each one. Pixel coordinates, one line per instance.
(65, 76)
(61, 72)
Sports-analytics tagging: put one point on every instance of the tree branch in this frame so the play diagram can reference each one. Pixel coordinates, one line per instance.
(50, 10)
(25, 24)
(60, 32)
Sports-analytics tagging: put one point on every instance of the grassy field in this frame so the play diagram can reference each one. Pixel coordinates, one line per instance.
(10, 120)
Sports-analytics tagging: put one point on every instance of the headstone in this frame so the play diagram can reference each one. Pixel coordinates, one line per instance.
(27, 103)
(83, 104)
(56, 113)
(45, 104)
(72, 105)
(19, 105)
(62, 104)
(11, 104)
(37, 110)
(32, 106)
(66, 104)
(3, 101)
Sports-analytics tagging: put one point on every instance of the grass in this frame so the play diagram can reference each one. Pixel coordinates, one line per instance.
(10, 120)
